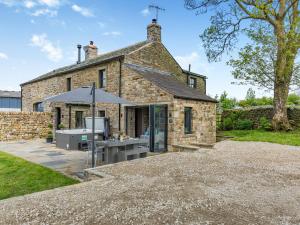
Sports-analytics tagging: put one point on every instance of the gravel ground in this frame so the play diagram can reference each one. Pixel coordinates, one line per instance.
(235, 183)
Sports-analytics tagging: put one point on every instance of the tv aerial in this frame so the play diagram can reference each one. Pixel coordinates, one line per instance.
(157, 9)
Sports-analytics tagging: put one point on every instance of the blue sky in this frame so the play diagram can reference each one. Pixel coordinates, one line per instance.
(40, 35)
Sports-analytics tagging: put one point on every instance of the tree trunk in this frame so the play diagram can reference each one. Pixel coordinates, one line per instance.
(280, 119)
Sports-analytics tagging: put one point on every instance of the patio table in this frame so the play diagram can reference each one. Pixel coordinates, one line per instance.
(117, 151)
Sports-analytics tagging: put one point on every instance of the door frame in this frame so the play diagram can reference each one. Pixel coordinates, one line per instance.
(57, 117)
(151, 125)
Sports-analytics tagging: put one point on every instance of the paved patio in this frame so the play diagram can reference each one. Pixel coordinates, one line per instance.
(238, 183)
(71, 163)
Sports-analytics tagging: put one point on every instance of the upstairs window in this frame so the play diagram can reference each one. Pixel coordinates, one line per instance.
(192, 82)
(102, 79)
(38, 107)
(187, 120)
(69, 84)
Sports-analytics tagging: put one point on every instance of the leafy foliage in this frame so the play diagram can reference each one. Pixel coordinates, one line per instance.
(245, 124)
(265, 124)
(269, 60)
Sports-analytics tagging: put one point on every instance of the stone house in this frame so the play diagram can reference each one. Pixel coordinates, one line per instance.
(171, 103)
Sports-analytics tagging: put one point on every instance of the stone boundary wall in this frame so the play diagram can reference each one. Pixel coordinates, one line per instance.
(255, 113)
(23, 125)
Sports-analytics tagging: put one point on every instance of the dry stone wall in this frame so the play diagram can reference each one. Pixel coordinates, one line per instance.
(23, 125)
(254, 114)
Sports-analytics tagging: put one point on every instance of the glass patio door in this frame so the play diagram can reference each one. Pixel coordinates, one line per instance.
(158, 127)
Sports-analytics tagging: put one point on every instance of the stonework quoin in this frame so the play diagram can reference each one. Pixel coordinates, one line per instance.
(154, 31)
(91, 51)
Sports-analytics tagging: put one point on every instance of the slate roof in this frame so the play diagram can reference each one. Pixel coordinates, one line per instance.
(10, 94)
(95, 61)
(167, 82)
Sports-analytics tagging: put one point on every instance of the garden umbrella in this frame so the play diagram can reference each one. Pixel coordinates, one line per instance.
(88, 95)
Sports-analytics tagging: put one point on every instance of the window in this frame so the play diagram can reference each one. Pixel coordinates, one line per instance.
(102, 79)
(101, 113)
(187, 120)
(38, 107)
(192, 82)
(69, 84)
(78, 119)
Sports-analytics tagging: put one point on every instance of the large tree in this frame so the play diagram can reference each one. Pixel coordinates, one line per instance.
(281, 17)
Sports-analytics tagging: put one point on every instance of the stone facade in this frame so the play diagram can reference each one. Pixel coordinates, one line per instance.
(23, 125)
(203, 122)
(157, 56)
(124, 82)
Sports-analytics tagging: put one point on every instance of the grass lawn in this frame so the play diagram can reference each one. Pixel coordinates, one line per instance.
(285, 138)
(19, 177)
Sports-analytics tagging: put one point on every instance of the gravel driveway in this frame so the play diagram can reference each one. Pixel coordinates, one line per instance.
(235, 183)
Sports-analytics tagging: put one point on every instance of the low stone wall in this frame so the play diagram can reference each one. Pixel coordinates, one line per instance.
(23, 125)
(256, 113)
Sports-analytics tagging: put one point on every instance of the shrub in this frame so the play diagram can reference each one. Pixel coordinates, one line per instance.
(264, 124)
(61, 126)
(227, 123)
(244, 125)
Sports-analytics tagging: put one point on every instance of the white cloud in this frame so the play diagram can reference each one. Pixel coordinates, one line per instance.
(101, 24)
(184, 61)
(83, 11)
(46, 46)
(45, 12)
(145, 12)
(3, 56)
(50, 3)
(8, 3)
(112, 33)
(197, 65)
(29, 4)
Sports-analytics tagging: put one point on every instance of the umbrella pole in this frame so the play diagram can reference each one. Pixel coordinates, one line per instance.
(93, 124)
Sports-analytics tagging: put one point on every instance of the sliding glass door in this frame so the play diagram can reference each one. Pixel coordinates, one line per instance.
(158, 127)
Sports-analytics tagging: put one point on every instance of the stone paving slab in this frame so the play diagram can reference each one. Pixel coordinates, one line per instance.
(237, 183)
(38, 151)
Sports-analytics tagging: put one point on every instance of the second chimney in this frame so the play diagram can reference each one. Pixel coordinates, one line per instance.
(91, 51)
(154, 31)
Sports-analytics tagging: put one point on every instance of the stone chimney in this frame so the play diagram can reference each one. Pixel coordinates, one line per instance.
(154, 31)
(91, 51)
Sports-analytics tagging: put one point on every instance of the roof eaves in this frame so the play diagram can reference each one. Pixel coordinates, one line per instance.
(196, 99)
(194, 74)
(73, 69)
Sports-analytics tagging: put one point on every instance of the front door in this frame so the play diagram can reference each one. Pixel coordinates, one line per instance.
(158, 127)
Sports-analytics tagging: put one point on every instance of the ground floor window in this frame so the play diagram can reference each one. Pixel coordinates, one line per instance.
(79, 119)
(38, 107)
(187, 120)
(101, 113)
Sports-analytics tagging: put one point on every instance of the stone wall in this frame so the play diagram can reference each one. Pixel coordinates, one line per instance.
(156, 55)
(203, 122)
(23, 125)
(38, 91)
(255, 113)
